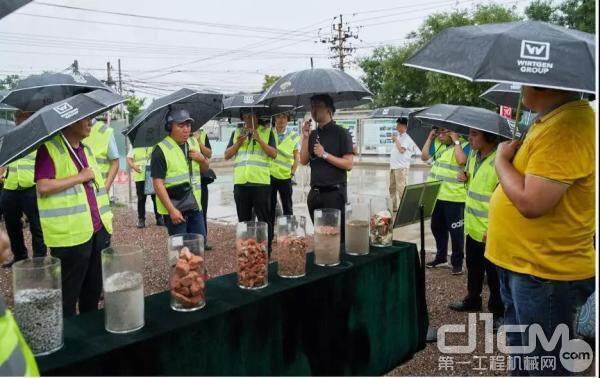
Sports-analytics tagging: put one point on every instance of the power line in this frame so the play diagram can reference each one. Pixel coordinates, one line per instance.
(340, 34)
(154, 28)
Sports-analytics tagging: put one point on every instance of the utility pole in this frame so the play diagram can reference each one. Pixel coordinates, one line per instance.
(129, 191)
(338, 41)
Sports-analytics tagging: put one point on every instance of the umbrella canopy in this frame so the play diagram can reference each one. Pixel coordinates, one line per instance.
(462, 118)
(234, 105)
(503, 94)
(9, 6)
(36, 91)
(48, 121)
(297, 88)
(148, 128)
(6, 126)
(391, 112)
(528, 52)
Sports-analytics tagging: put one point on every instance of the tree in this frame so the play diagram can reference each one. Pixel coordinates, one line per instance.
(574, 14)
(392, 83)
(269, 80)
(9, 82)
(134, 106)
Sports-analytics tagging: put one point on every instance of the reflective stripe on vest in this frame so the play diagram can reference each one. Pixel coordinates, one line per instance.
(16, 359)
(20, 174)
(445, 168)
(281, 166)
(141, 157)
(252, 165)
(178, 171)
(482, 183)
(98, 141)
(65, 216)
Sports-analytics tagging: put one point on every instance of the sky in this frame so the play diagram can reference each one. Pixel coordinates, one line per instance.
(224, 45)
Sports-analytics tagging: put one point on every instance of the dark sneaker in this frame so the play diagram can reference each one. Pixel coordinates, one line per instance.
(160, 221)
(465, 306)
(141, 223)
(437, 264)
(208, 247)
(457, 270)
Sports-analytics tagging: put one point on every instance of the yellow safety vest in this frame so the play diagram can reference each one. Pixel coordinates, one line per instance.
(98, 141)
(20, 173)
(16, 359)
(178, 170)
(445, 168)
(141, 158)
(482, 183)
(202, 137)
(65, 216)
(252, 164)
(281, 166)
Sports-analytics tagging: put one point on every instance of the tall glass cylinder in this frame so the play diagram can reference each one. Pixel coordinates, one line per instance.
(122, 274)
(381, 222)
(252, 256)
(327, 236)
(290, 251)
(188, 272)
(357, 228)
(38, 303)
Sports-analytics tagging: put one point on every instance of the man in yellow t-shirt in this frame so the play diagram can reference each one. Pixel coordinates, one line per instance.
(542, 216)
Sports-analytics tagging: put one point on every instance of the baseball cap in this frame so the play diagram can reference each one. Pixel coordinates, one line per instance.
(179, 116)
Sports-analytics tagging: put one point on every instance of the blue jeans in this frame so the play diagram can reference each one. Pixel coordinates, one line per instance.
(528, 300)
(194, 224)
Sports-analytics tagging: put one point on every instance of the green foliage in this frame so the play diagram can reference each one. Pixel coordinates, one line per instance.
(134, 106)
(392, 83)
(269, 80)
(9, 82)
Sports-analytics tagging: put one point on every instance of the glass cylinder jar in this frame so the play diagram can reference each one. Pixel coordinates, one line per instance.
(290, 251)
(188, 272)
(381, 222)
(357, 228)
(327, 237)
(38, 303)
(122, 274)
(252, 256)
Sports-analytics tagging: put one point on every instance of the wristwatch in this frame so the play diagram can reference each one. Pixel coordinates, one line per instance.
(325, 154)
(457, 142)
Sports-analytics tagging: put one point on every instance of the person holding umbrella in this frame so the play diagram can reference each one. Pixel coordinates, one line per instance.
(18, 198)
(103, 144)
(329, 151)
(480, 180)
(137, 159)
(176, 164)
(449, 152)
(252, 147)
(75, 214)
(284, 165)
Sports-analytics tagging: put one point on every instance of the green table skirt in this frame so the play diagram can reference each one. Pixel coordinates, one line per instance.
(364, 317)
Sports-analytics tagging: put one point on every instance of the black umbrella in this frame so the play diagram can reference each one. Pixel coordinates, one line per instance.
(234, 105)
(48, 121)
(36, 91)
(462, 118)
(503, 94)
(9, 6)
(297, 88)
(528, 52)
(391, 112)
(148, 128)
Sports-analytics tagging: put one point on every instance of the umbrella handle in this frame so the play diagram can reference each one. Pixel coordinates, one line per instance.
(518, 115)
(77, 157)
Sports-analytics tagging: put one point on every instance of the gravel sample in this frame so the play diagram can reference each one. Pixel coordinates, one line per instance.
(188, 282)
(327, 245)
(39, 315)
(252, 260)
(381, 229)
(290, 254)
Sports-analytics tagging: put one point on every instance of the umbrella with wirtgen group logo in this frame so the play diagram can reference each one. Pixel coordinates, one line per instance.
(51, 119)
(529, 52)
(36, 91)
